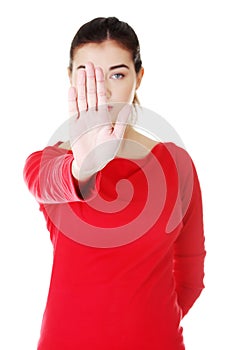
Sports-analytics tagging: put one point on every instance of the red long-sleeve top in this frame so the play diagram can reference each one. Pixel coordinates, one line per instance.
(128, 249)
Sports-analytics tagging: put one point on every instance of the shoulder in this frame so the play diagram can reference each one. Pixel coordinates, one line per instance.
(185, 166)
(178, 153)
(172, 156)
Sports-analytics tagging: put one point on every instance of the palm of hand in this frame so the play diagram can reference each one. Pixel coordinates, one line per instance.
(94, 140)
(93, 137)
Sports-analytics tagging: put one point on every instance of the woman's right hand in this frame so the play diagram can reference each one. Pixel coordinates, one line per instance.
(94, 139)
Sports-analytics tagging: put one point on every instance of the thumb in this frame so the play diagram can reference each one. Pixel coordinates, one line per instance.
(123, 119)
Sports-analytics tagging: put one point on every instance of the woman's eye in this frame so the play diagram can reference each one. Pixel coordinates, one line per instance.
(117, 76)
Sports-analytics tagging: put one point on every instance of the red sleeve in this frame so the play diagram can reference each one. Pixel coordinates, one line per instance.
(48, 176)
(189, 249)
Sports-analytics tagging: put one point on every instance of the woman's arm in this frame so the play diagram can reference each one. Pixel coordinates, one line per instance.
(189, 249)
(48, 176)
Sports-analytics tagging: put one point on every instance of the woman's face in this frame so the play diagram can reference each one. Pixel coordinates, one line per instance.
(121, 80)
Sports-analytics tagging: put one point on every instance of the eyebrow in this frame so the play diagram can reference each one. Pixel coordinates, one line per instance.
(119, 66)
(111, 68)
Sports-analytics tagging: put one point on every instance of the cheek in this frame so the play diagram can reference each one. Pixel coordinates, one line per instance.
(131, 94)
(128, 90)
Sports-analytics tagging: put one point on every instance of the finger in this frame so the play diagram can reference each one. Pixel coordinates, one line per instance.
(100, 87)
(91, 86)
(81, 90)
(101, 96)
(122, 121)
(72, 102)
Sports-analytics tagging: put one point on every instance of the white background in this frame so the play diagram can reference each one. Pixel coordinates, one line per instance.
(187, 54)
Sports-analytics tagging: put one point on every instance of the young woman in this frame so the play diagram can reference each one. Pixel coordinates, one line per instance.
(124, 211)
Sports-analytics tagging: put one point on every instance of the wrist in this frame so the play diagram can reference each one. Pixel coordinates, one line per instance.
(80, 175)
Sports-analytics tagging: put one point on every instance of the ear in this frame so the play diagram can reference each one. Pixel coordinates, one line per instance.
(139, 77)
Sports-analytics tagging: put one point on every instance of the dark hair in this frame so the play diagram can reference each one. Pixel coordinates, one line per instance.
(104, 28)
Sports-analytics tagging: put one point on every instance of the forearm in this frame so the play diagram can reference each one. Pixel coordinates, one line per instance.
(83, 177)
(189, 275)
(49, 177)
(189, 248)
(84, 184)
